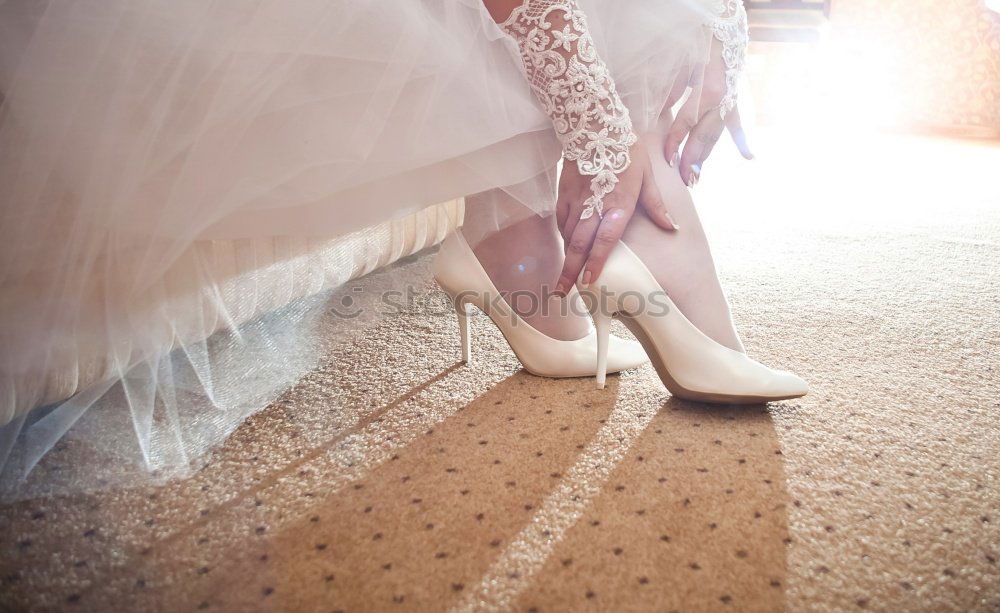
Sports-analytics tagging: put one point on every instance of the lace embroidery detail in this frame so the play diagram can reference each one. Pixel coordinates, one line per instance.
(576, 91)
(730, 27)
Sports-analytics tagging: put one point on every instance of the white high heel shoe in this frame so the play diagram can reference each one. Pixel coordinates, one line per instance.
(691, 365)
(462, 277)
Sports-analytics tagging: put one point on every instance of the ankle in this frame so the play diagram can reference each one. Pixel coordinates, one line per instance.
(682, 264)
(523, 261)
(526, 249)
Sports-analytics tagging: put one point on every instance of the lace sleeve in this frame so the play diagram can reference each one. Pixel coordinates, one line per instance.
(730, 27)
(575, 90)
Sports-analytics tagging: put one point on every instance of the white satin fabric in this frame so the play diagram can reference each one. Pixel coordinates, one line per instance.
(132, 129)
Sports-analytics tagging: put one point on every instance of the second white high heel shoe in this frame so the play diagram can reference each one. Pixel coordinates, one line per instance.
(462, 277)
(690, 364)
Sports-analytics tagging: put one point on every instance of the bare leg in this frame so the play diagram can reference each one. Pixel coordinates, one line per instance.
(681, 261)
(524, 260)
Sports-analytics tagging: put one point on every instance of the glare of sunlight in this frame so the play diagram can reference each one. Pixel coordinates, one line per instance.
(832, 85)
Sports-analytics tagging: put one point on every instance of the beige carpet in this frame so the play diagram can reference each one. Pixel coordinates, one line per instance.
(395, 479)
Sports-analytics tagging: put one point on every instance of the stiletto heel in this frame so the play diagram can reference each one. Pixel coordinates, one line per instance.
(464, 310)
(602, 325)
(459, 273)
(691, 365)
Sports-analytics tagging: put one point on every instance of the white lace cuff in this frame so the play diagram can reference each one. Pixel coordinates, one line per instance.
(730, 27)
(576, 91)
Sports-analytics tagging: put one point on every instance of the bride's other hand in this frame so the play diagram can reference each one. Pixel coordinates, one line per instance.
(589, 241)
(701, 139)
(700, 122)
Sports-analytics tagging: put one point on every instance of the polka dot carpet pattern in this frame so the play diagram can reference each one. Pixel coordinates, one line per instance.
(398, 480)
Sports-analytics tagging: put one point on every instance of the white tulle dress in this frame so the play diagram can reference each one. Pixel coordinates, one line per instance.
(130, 129)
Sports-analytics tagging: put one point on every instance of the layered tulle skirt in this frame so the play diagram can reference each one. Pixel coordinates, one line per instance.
(134, 133)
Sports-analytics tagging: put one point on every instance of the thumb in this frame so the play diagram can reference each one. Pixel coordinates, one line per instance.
(652, 201)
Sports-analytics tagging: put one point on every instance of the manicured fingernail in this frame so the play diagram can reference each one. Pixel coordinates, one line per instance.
(674, 226)
(587, 277)
(695, 175)
(676, 157)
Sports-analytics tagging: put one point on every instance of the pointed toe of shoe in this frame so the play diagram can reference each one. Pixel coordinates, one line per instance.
(789, 385)
(625, 354)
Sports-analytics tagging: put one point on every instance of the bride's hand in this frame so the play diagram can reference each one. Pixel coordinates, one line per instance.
(589, 241)
(701, 123)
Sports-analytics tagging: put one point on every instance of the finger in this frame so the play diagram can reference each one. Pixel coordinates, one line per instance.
(699, 145)
(562, 213)
(605, 238)
(572, 220)
(679, 130)
(735, 126)
(690, 168)
(652, 201)
(577, 251)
